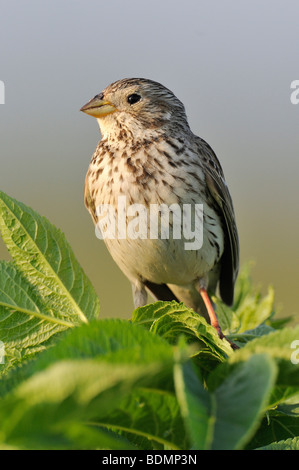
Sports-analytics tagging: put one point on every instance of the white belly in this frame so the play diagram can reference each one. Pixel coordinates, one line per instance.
(171, 261)
(158, 260)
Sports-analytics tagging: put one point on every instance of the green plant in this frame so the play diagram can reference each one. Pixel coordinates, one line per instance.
(162, 380)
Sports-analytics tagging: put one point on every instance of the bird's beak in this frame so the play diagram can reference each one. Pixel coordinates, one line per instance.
(98, 108)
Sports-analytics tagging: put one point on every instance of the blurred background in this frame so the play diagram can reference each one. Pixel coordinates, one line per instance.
(230, 62)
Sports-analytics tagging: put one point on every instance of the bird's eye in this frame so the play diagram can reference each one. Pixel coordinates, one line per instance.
(134, 98)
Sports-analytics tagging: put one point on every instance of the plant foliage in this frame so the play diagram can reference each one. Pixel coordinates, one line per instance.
(162, 380)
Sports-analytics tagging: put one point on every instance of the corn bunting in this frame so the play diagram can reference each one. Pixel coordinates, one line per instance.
(149, 160)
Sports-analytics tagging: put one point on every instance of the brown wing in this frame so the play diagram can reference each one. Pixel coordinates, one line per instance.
(219, 191)
(88, 200)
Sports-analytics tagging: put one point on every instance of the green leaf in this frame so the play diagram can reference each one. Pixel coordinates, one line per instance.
(26, 324)
(290, 406)
(113, 340)
(171, 320)
(288, 444)
(250, 309)
(227, 418)
(274, 428)
(84, 436)
(195, 405)
(42, 410)
(284, 399)
(241, 399)
(114, 384)
(149, 418)
(244, 287)
(255, 311)
(109, 375)
(277, 345)
(46, 260)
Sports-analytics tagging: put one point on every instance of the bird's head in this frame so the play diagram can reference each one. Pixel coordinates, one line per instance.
(136, 104)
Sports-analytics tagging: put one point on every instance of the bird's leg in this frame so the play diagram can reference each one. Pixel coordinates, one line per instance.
(210, 309)
(139, 295)
(211, 312)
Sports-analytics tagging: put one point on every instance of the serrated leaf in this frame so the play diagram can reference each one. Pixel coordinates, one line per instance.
(171, 320)
(288, 444)
(46, 260)
(274, 428)
(250, 310)
(255, 311)
(26, 324)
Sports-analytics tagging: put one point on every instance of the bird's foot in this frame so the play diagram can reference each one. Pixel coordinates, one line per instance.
(222, 336)
(213, 318)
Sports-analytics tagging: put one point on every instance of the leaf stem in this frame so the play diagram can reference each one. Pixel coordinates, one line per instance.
(37, 314)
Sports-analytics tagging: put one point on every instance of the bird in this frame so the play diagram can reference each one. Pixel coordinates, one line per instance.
(149, 157)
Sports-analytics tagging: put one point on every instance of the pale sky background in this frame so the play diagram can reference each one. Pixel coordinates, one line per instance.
(231, 62)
